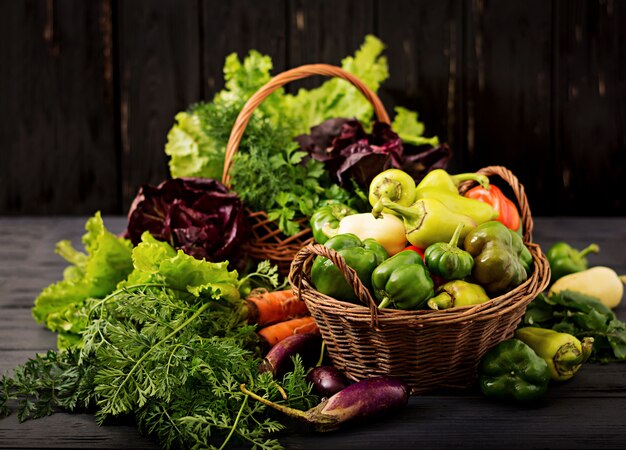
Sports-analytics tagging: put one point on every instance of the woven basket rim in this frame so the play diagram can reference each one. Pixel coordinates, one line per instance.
(515, 298)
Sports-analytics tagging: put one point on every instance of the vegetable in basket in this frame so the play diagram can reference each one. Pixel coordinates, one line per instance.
(513, 371)
(392, 184)
(447, 260)
(458, 293)
(325, 220)
(563, 353)
(492, 195)
(387, 230)
(402, 282)
(564, 259)
(442, 186)
(429, 221)
(362, 256)
(501, 260)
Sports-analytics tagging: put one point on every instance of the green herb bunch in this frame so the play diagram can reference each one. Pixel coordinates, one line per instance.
(168, 347)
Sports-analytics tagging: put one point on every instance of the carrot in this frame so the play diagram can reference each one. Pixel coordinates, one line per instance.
(266, 308)
(273, 334)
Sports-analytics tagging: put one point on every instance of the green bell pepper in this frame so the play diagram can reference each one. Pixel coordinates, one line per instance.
(362, 256)
(513, 371)
(447, 260)
(501, 260)
(564, 259)
(402, 282)
(325, 220)
(458, 293)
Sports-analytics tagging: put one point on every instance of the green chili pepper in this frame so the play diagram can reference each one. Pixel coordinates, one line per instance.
(447, 260)
(402, 282)
(513, 371)
(501, 260)
(443, 181)
(565, 259)
(428, 221)
(363, 256)
(563, 352)
(479, 211)
(458, 293)
(325, 220)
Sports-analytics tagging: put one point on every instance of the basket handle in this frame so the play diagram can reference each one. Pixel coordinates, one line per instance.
(518, 190)
(301, 269)
(280, 80)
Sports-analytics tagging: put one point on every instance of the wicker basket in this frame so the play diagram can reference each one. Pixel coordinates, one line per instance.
(267, 241)
(427, 349)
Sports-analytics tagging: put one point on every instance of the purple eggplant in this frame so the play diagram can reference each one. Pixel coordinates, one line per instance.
(279, 361)
(327, 380)
(360, 401)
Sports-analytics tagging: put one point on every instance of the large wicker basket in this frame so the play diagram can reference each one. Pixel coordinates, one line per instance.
(267, 241)
(427, 349)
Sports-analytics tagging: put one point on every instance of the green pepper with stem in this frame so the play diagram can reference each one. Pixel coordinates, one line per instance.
(362, 256)
(428, 221)
(458, 293)
(402, 282)
(394, 185)
(325, 220)
(447, 260)
(565, 259)
(501, 260)
(563, 352)
(513, 371)
(441, 180)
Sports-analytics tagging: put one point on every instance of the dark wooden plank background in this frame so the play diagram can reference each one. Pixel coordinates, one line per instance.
(90, 89)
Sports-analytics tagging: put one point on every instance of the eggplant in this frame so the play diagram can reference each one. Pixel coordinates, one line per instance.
(360, 401)
(279, 361)
(327, 380)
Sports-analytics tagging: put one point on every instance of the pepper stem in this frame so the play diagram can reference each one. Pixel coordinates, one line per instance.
(567, 359)
(593, 248)
(441, 301)
(455, 237)
(384, 303)
(284, 409)
(408, 212)
(587, 347)
(479, 178)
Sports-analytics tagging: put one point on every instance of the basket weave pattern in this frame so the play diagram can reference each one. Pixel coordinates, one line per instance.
(267, 241)
(427, 349)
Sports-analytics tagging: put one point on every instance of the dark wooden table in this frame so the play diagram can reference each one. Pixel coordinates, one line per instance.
(588, 411)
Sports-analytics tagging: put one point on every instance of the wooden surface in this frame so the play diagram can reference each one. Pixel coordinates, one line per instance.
(585, 412)
(90, 89)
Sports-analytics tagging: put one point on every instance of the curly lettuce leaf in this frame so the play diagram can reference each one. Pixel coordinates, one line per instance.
(410, 129)
(157, 262)
(337, 97)
(95, 273)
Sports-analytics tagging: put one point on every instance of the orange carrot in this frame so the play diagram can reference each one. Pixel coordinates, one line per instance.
(273, 334)
(266, 308)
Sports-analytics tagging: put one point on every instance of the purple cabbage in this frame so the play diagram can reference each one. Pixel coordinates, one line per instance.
(197, 215)
(349, 152)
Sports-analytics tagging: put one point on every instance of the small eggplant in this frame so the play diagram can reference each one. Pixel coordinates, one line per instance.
(360, 401)
(327, 380)
(278, 360)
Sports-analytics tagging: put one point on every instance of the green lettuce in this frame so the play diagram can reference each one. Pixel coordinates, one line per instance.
(93, 273)
(411, 130)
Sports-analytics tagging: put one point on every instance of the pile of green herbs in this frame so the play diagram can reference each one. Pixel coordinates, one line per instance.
(269, 173)
(582, 316)
(167, 345)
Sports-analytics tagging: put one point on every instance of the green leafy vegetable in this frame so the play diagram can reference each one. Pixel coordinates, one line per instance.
(170, 347)
(582, 316)
(411, 130)
(95, 273)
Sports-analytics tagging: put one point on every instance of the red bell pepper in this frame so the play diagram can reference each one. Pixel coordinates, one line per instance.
(507, 211)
